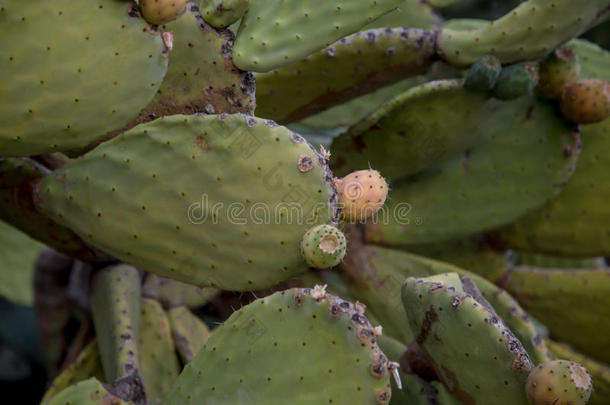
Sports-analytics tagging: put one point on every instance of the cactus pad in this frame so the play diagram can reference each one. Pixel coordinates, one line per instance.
(529, 31)
(88, 392)
(189, 332)
(473, 353)
(346, 69)
(328, 343)
(221, 193)
(276, 33)
(61, 92)
(222, 13)
(115, 304)
(487, 182)
(160, 366)
(171, 293)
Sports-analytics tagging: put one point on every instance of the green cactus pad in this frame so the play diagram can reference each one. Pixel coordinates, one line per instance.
(222, 13)
(485, 186)
(88, 392)
(201, 77)
(559, 382)
(272, 34)
(474, 253)
(572, 303)
(328, 343)
(171, 293)
(189, 332)
(378, 286)
(221, 193)
(530, 31)
(115, 305)
(516, 81)
(413, 130)
(323, 246)
(346, 69)
(474, 354)
(409, 13)
(559, 262)
(18, 252)
(484, 74)
(600, 373)
(160, 366)
(575, 223)
(64, 88)
(86, 365)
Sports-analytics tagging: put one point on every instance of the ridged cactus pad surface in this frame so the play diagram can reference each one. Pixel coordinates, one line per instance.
(88, 392)
(300, 346)
(73, 71)
(201, 199)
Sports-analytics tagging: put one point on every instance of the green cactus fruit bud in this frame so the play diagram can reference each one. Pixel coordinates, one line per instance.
(484, 74)
(559, 69)
(559, 382)
(516, 81)
(88, 392)
(361, 194)
(323, 246)
(222, 13)
(159, 12)
(586, 101)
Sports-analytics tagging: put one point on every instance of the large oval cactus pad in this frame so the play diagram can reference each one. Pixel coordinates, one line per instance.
(524, 158)
(208, 200)
(300, 346)
(72, 71)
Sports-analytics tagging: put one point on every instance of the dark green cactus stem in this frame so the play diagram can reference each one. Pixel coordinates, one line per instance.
(272, 34)
(115, 305)
(189, 210)
(516, 81)
(326, 341)
(62, 92)
(464, 339)
(484, 74)
(189, 332)
(354, 65)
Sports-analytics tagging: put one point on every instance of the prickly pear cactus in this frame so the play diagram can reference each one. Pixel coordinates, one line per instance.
(559, 382)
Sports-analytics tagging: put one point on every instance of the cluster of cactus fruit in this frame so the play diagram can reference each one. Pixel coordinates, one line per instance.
(153, 147)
